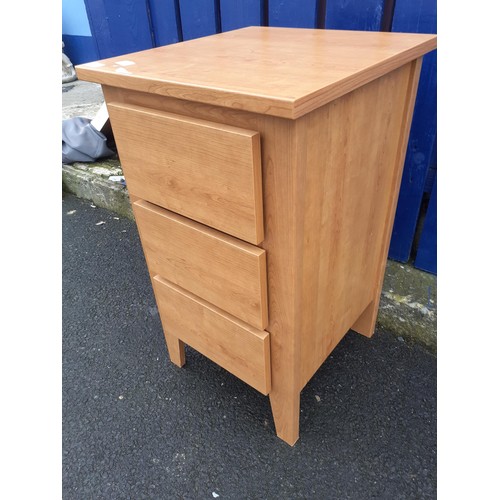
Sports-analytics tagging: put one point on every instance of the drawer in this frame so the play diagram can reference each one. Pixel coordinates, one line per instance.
(222, 270)
(206, 171)
(239, 348)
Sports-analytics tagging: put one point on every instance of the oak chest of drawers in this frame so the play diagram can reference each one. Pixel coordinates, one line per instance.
(263, 167)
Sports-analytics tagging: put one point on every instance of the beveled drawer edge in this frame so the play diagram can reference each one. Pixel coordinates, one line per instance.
(228, 239)
(262, 334)
(185, 118)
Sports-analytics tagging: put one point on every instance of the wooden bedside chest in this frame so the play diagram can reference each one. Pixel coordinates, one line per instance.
(264, 166)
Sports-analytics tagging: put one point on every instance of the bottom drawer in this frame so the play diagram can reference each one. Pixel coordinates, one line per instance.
(236, 346)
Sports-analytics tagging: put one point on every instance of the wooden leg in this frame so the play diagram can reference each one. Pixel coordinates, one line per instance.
(176, 350)
(365, 324)
(286, 414)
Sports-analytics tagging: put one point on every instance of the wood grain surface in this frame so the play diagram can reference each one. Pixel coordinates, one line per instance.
(283, 179)
(284, 72)
(351, 182)
(330, 181)
(231, 343)
(206, 171)
(222, 270)
(365, 324)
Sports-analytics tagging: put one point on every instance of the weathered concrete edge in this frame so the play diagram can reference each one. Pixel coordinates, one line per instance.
(408, 306)
(409, 297)
(90, 181)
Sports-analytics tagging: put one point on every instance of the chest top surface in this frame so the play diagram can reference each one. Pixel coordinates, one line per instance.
(283, 72)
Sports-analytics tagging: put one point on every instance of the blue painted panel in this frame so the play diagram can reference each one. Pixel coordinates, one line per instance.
(80, 49)
(119, 26)
(165, 20)
(363, 15)
(427, 248)
(199, 18)
(292, 13)
(431, 174)
(236, 14)
(413, 16)
(74, 18)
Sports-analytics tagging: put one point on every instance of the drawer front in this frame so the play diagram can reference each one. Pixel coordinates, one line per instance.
(222, 270)
(206, 171)
(242, 350)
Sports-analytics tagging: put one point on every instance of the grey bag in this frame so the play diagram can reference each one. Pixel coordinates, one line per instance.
(81, 141)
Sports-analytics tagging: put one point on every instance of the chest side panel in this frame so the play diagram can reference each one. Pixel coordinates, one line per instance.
(350, 157)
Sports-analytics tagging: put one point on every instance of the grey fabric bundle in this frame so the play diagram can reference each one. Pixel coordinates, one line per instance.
(81, 141)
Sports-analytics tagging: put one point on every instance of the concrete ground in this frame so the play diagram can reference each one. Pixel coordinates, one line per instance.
(135, 426)
(81, 99)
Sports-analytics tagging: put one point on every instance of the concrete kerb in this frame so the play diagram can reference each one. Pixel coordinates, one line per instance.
(408, 306)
